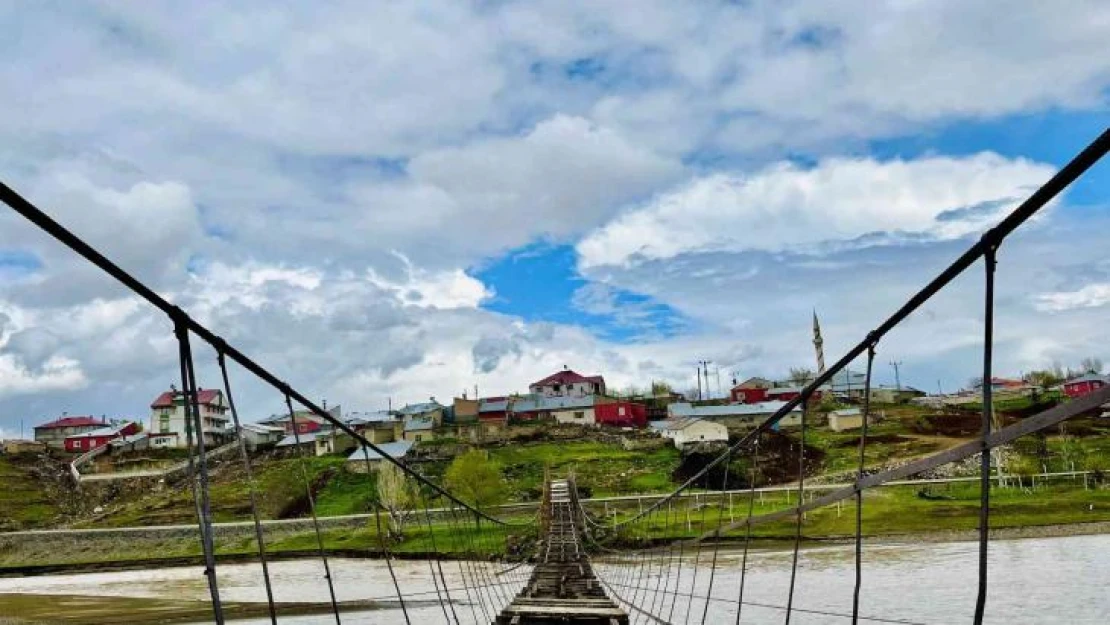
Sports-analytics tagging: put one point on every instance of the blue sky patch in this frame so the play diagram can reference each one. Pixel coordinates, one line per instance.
(540, 282)
(16, 264)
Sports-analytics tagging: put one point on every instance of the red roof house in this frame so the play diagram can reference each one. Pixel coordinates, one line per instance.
(54, 433)
(568, 383)
(204, 396)
(87, 441)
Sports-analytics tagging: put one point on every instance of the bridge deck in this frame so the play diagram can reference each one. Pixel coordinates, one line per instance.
(563, 588)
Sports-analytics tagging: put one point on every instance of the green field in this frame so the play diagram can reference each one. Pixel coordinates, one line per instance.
(24, 501)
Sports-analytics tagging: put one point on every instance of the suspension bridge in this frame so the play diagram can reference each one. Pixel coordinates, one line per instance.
(567, 563)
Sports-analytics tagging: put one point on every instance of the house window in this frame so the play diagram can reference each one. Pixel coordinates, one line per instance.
(164, 423)
(580, 415)
(620, 410)
(77, 443)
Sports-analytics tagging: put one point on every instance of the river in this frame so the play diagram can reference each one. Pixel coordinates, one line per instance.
(1043, 580)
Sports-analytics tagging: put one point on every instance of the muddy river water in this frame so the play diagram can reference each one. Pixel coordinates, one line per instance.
(1044, 580)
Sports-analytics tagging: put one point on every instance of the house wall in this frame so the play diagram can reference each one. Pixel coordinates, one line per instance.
(1079, 389)
(839, 423)
(749, 395)
(699, 432)
(574, 389)
(578, 416)
(621, 414)
(56, 437)
(418, 436)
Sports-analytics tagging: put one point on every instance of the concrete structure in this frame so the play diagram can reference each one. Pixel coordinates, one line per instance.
(167, 418)
(54, 433)
(1087, 383)
(686, 430)
(737, 416)
(893, 395)
(21, 446)
(570, 410)
(418, 430)
(377, 427)
(356, 460)
(87, 441)
(847, 419)
(568, 383)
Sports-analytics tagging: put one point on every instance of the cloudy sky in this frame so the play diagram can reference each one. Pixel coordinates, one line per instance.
(403, 200)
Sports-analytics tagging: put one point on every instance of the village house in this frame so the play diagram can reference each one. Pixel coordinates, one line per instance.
(167, 418)
(377, 427)
(333, 441)
(1084, 384)
(846, 419)
(87, 441)
(750, 391)
(737, 416)
(568, 383)
(358, 459)
(258, 436)
(463, 418)
(422, 420)
(493, 415)
(686, 430)
(620, 413)
(54, 433)
(308, 422)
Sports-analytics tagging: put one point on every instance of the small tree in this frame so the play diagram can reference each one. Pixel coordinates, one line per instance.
(661, 388)
(476, 480)
(397, 495)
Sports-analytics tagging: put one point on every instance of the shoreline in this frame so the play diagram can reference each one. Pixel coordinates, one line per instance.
(1059, 530)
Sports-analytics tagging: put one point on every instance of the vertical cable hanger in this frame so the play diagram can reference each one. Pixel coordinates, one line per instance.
(748, 527)
(251, 485)
(381, 540)
(717, 536)
(198, 474)
(989, 264)
(312, 507)
(859, 477)
(798, 515)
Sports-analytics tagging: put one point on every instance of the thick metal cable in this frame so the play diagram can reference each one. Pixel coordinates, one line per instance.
(717, 541)
(312, 508)
(748, 530)
(434, 564)
(203, 502)
(245, 457)
(989, 263)
(859, 476)
(798, 519)
(697, 561)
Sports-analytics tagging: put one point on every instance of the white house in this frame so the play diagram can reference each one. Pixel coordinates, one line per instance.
(684, 431)
(358, 459)
(576, 410)
(567, 383)
(257, 435)
(737, 416)
(167, 418)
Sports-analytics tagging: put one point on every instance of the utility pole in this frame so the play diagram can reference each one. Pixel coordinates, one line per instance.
(897, 378)
(699, 380)
(939, 392)
(717, 372)
(703, 366)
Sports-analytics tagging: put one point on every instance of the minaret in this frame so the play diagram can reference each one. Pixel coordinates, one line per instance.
(818, 344)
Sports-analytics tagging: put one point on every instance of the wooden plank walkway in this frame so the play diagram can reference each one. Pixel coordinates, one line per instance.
(563, 588)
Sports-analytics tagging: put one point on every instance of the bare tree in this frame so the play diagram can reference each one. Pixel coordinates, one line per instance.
(1091, 364)
(397, 495)
(800, 375)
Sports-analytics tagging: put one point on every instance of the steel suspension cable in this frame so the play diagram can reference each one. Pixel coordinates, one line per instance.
(989, 263)
(798, 518)
(382, 547)
(198, 480)
(434, 565)
(697, 561)
(251, 485)
(312, 508)
(859, 476)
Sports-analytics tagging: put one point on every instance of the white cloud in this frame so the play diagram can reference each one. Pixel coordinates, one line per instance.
(786, 207)
(445, 289)
(56, 374)
(1089, 296)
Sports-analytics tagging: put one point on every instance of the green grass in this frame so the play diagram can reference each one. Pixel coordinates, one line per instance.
(24, 503)
(602, 468)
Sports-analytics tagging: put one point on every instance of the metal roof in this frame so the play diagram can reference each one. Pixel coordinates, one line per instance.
(1087, 377)
(396, 449)
(683, 409)
(419, 425)
(421, 408)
